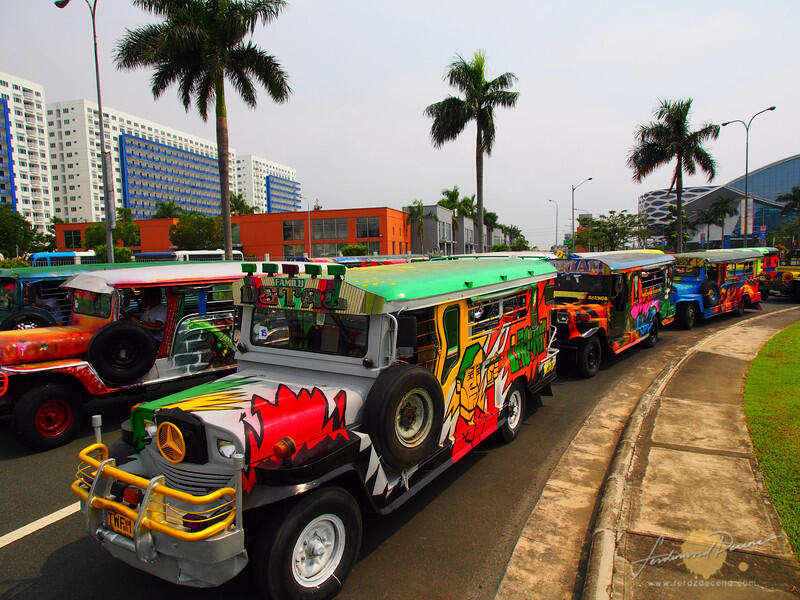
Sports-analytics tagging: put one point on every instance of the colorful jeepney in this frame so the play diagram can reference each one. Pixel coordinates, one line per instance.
(48, 373)
(714, 282)
(352, 391)
(783, 275)
(610, 301)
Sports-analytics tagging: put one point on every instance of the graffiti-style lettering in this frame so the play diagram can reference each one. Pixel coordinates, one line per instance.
(527, 343)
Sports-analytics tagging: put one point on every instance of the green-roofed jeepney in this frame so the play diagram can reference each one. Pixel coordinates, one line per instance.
(355, 388)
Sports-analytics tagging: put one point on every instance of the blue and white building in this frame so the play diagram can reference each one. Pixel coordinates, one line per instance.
(266, 185)
(24, 163)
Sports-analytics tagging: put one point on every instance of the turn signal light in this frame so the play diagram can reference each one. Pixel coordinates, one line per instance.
(132, 495)
(284, 448)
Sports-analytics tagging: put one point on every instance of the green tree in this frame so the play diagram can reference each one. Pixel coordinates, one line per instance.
(17, 235)
(500, 248)
(721, 209)
(490, 219)
(451, 115)
(355, 250)
(670, 138)
(126, 230)
(168, 210)
(121, 254)
(194, 231)
(452, 201)
(415, 217)
(198, 44)
(705, 217)
(792, 203)
(239, 205)
(671, 229)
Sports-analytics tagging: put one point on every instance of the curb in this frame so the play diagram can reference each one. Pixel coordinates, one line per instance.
(604, 536)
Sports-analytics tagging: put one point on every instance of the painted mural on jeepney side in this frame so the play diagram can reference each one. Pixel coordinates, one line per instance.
(645, 304)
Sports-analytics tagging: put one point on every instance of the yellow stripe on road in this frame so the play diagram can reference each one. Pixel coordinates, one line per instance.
(30, 528)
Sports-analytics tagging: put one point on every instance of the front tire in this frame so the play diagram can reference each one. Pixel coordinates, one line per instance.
(308, 553)
(652, 336)
(687, 315)
(588, 357)
(515, 412)
(47, 416)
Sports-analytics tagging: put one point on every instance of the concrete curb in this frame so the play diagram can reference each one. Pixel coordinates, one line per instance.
(604, 537)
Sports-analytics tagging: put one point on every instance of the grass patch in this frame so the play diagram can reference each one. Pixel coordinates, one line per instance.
(772, 412)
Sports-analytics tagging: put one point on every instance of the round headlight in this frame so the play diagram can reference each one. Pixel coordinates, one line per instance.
(226, 448)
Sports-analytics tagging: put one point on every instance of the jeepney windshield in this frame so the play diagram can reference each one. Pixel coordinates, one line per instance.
(92, 304)
(8, 293)
(310, 331)
(580, 282)
(686, 272)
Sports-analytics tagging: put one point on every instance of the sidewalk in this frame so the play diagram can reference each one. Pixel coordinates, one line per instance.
(682, 466)
(695, 520)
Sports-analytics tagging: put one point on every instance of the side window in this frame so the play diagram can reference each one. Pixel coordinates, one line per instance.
(450, 324)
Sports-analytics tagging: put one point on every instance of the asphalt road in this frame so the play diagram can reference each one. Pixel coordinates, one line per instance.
(452, 540)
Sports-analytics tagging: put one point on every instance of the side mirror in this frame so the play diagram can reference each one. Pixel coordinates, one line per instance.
(406, 332)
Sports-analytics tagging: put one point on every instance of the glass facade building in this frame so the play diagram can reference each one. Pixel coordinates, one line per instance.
(153, 173)
(771, 181)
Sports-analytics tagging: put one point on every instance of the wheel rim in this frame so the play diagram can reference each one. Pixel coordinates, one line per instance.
(124, 355)
(690, 314)
(591, 357)
(52, 418)
(318, 550)
(514, 409)
(412, 421)
(27, 325)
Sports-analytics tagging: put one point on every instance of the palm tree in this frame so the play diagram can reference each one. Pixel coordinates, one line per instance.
(240, 206)
(792, 204)
(721, 209)
(705, 217)
(416, 216)
(451, 115)
(450, 199)
(198, 45)
(668, 138)
(491, 221)
(168, 210)
(466, 206)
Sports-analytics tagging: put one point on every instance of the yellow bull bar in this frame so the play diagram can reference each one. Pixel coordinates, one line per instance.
(155, 513)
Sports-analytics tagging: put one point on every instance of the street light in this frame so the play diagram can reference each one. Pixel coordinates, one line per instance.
(108, 186)
(575, 187)
(746, 162)
(556, 205)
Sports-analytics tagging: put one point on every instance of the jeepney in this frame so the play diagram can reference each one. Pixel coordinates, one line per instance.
(609, 302)
(48, 373)
(715, 282)
(783, 275)
(32, 297)
(352, 391)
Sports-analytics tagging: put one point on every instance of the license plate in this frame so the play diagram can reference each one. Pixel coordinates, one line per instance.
(548, 366)
(120, 524)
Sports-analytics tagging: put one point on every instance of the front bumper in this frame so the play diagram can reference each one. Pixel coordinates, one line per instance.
(206, 553)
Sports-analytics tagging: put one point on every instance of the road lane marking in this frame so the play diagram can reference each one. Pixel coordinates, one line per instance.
(38, 524)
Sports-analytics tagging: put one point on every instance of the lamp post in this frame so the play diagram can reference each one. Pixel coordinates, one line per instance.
(575, 187)
(108, 186)
(556, 205)
(746, 163)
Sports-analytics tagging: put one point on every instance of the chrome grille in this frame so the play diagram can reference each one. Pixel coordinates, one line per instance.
(193, 482)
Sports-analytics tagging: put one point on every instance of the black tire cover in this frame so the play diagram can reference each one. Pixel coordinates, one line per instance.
(705, 288)
(122, 352)
(40, 317)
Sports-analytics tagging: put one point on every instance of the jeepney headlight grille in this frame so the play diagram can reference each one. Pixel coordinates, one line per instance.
(562, 318)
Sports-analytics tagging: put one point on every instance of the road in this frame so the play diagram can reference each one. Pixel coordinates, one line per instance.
(452, 540)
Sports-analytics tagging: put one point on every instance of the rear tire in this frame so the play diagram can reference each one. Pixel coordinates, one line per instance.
(588, 357)
(308, 553)
(709, 290)
(28, 319)
(515, 411)
(47, 416)
(652, 336)
(122, 352)
(764, 293)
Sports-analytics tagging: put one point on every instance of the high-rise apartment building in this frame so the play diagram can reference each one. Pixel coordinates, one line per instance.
(151, 164)
(24, 162)
(267, 185)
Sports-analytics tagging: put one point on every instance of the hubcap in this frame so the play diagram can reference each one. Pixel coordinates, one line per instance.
(52, 418)
(413, 418)
(514, 409)
(318, 551)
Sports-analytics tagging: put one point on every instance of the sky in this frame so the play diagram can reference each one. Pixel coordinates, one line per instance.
(588, 74)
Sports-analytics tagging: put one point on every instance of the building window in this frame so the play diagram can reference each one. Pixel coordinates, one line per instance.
(332, 249)
(374, 247)
(293, 230)
(293, 250)
(72, 238)
(368, 227)
(329, 229)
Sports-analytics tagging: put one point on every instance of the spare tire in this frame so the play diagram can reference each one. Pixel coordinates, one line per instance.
(122, 352)
(28, 318)
(403, 414)
(709, 290)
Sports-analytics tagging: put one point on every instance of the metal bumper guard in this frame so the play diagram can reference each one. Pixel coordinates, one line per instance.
(161, 544)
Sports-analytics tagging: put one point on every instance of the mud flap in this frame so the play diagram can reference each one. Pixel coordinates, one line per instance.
(546, 390)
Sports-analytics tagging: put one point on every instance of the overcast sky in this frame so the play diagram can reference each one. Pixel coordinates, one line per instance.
(363, 72)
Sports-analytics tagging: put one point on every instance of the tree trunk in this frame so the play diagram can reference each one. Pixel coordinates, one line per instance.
(479, 191)
(679, 204)
(222, 160)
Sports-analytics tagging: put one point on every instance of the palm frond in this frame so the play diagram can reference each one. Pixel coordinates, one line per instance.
(204, 93)
(254, 11)
(501, 98)
(139, 47)
(485, 122)
(503, 82)
(450, 116)
(254, 62)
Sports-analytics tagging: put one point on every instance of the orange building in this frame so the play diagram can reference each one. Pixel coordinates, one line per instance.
(383, 230)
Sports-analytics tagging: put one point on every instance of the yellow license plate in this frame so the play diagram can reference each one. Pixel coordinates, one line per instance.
(119, 524)
(548, 366)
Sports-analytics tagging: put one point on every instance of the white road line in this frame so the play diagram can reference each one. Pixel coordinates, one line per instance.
(28, 529)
